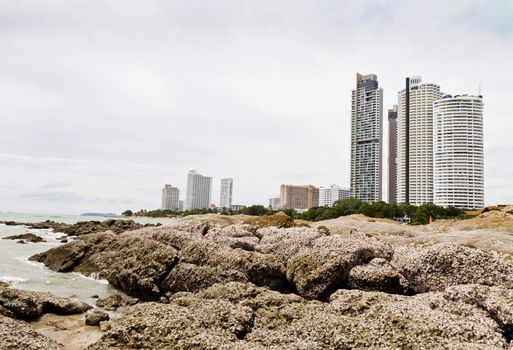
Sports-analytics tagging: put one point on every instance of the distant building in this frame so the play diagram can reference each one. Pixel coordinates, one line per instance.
(226, 193)
(181, 205)
(415, 141)
(458, 151)
(392, 155)
(237, 207)
(299, 197)
(199, 191)
(366, 139)
(170, 198)
(331, 194)
(274, 203)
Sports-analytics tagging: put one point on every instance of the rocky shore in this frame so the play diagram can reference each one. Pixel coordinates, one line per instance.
(82, 227)
(212, 282)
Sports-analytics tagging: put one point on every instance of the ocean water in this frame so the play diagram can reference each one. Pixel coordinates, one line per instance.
(19, 272)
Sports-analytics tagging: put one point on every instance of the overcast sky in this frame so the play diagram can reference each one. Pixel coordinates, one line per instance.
(103, 102)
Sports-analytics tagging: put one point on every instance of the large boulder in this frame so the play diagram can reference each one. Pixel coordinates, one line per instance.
(378, 275)
(95, 317)
(439, 266)
(323, 268)
(27, 305)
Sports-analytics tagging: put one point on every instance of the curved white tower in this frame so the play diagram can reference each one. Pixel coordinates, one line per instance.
(458, 151)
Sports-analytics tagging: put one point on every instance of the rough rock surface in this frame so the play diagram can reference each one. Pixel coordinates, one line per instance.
(243, 316)
(16, 334)
(31, 305)
(95, 317)
(27, 237)
(436, 267)
(378, 275)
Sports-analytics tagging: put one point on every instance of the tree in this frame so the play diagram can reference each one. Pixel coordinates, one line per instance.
(127, 213)
(255, 210)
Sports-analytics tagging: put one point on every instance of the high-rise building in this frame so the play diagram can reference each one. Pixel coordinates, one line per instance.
(199, 190)
(299, 197)
(458, 151)
(226, 193)
(415, 141)
(331, 194)
(274, 203)
(366, 139)
(170, 198)
(392, 155)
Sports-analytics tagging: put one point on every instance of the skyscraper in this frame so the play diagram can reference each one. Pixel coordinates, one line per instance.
(170, 198)
(458, 151)
(299, 197)
(366, 139)
(331, 194)
(415, 141)
(392, 155)
(199, 190)
(226, 193)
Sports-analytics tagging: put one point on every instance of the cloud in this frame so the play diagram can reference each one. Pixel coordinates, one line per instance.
(53, 185)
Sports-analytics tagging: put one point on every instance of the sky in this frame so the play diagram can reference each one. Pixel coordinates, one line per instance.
(102, 102)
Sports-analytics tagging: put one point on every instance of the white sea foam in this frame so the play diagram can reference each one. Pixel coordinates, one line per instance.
(12, 280)
(94, 277)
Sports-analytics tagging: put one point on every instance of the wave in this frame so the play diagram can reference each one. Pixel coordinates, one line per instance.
(12, 280)
(93, 277)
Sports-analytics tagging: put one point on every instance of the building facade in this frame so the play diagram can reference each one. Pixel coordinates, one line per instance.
(170, 198)
(199, 191)
(392, 155)
(274, 203)
(299, 197)
(366, 139)
(458, 152)
(414, 183)
(331, 194)
(226, 193)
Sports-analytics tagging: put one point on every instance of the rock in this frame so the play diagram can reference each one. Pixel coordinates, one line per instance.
(322, 269)
(63, 260)
(378, 275)
(16, 334)
(243, 316)
(279, 220)
(112, 302)
(27, 237)
(93, 318)
(6, 313)
(27, 305)
(442, 265)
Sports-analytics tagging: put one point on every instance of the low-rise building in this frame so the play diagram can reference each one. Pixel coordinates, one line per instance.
(274, 203)
(330, 194)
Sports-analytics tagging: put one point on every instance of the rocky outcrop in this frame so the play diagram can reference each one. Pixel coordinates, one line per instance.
(378, 275)
(27, 237)
(16, 334)
(84, 227)
(27, 305)
(439, 266)
(156, 262)
(243, 316)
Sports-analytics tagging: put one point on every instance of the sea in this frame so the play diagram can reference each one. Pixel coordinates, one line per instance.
(17, 271)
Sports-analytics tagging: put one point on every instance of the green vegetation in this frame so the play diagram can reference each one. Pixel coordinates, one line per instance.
(418, 215)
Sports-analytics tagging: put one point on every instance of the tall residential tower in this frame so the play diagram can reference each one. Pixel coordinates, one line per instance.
(199, 190)
(170, 198)
(392, 155)
(458, 151)
(415, 141)
(366, 139)
(226, 193)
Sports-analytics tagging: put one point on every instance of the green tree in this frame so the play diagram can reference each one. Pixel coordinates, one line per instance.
(128, 213)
